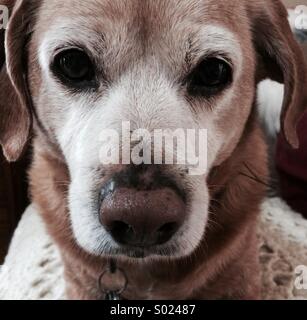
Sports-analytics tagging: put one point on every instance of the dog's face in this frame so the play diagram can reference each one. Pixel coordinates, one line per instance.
(158, 65)
(145, 60)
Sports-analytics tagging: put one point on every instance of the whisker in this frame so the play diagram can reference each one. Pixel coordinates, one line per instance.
(253, 176)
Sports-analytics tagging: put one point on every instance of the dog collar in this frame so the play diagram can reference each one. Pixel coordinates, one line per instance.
(113, 282)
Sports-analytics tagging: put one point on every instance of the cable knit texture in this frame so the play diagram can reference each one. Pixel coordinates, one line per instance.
(33, 268)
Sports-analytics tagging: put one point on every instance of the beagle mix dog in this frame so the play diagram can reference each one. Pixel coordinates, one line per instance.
(73, 69)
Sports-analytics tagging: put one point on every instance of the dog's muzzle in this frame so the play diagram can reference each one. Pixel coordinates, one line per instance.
(141, 212)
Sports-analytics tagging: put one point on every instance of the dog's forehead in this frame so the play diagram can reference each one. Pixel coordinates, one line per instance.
(157, 12)
(123, 31)
(145, 18)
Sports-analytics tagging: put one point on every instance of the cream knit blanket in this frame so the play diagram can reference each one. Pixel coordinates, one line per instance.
(33, 268)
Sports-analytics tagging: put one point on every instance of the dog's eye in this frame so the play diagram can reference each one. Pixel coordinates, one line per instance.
(74, 66)
(210, 76)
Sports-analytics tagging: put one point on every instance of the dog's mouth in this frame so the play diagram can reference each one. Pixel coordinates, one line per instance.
(168, 250)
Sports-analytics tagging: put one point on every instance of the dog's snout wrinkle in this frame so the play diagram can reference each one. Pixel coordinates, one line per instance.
(142, 177)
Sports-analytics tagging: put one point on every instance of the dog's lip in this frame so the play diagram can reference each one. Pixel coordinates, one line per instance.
(139, 254)
(130, 253)
(138, 251)
(133, 252)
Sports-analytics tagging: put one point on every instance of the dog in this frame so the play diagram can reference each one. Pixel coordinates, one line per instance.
(73, 69)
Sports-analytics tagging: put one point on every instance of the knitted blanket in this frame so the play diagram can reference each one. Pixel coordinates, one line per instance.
(33, 268)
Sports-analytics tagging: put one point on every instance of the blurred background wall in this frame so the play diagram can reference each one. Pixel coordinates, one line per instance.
(293, 3)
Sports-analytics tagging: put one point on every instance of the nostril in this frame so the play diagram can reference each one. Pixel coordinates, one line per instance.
(167, 231)
(121, 231)
(168, 227)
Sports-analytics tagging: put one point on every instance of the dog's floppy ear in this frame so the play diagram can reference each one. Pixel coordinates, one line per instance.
(281, 59)
(15, 106)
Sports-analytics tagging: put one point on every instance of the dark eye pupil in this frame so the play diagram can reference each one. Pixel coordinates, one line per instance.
(74, 65)
(211, 74)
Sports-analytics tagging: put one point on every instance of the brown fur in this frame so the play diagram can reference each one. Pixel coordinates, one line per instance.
(225, 265)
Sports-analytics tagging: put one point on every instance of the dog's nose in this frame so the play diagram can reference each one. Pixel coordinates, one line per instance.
(142, 218)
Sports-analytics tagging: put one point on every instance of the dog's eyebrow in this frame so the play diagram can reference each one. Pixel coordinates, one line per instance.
(213, 40)
(69, 34)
